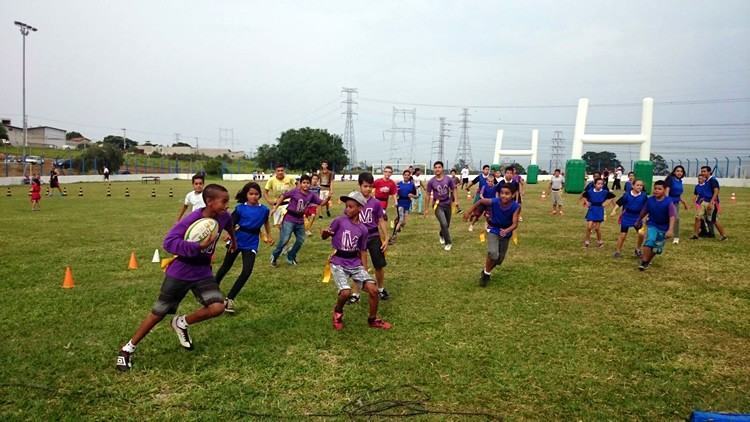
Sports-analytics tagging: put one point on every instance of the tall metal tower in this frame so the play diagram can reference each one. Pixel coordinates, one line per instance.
(558, 149)
(349, 143)
(464, 146)
(438, 146)
(226, 137)
(404, 123)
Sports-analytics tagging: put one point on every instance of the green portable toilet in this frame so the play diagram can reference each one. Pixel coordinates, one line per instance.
(532, 174)
(575, 176)
(644, 170)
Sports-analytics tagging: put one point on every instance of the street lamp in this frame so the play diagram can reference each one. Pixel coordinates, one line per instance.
(25, 29)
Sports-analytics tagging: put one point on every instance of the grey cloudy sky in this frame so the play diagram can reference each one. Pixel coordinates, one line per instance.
(191, 67)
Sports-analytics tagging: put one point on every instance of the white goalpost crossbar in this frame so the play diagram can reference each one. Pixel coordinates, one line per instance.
(499, 151)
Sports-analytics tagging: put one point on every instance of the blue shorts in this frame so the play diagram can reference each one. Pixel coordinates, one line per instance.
(627, 221)
(655, 239)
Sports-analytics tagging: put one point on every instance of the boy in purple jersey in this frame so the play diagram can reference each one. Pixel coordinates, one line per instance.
(505, 213)
(294, 220)
(349, 238)
(661, 216)
(372, 216)
(190, 271)
(441, 191)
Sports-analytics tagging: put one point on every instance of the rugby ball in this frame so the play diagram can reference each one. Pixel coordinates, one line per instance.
(201, 229)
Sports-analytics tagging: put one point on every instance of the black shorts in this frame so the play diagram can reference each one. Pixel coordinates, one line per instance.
(465, 181)
(376, 255)
(172, 292)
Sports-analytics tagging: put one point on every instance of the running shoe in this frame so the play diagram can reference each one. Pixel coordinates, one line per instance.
(379, 323)
(182, 334)
(338, 320)
(124, 361)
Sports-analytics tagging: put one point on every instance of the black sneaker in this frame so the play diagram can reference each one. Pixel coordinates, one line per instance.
(182, 335)
(124, 361)
(643, 266)
(328, 213)
(694, 237)
(353, 300)
(273, 262)
(384, 295)
(484, 279)
(320, 217)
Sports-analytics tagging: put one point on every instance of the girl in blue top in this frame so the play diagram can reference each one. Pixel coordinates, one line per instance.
(504, 218)
(248, 217)
(406, 191)
(594, 199)
(673, 183)
(632, 202)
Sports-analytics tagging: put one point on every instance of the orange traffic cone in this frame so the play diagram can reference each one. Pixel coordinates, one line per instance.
(68, 282)
(133, 264)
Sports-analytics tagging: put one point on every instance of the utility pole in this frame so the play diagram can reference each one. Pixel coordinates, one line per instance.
(438, 147)
(25, 29)
(463, 155)
(404, 122)
(558, 150)
(226, 137)
(197, 146)
(349, 142)
(176, 138)
(124, 137)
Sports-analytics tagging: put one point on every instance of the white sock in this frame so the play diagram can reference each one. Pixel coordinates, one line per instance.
(486, 273)
(380, 289)
(355, 294)
(181, 322)
(130, 347)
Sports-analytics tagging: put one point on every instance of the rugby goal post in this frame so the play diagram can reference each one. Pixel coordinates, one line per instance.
(532, 171)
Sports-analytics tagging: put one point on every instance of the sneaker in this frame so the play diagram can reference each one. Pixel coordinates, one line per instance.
(694, 237)
(291, 261)
(320, 217)
(229, 306)
(379, 323)
(448, 247)
(442, 241)
(638, 253)
(353, 299)
(285, 250)
(182, 334)
(617, 254)
(338, 320)
(520, 218)
(124, 361)
(384, 295)
(586, 243)
(723, 238)
(471, 227)
(308, 233)
(600, 243)
(676, 240)
(274, 263)
(561, 213)
(643, 266)
(328, 213)
(554, 212)
(484, 279)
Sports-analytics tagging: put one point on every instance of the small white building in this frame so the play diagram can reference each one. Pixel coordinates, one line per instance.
(38, 136)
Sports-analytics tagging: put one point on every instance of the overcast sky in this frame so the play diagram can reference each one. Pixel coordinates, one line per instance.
(189, 67)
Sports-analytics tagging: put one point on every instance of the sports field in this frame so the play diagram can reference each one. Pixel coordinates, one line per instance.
(559, 333)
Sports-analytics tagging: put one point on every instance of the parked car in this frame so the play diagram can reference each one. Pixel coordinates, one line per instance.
(63, 163)
(34, 159)
(10, 158)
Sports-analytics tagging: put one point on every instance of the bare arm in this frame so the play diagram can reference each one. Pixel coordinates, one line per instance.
(182, 212)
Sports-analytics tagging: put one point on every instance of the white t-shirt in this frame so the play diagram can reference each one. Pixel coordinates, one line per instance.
(417, 182)
(557, 182)
(618, 174)
(464, 173)
(195, 199)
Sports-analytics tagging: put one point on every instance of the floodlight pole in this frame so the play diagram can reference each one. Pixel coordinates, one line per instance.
(25, 29)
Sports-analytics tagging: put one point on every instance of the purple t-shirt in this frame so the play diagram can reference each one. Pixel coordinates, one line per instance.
(298, 202)
(370, 216)
(192, 263)
(441, 190)
(348, 238)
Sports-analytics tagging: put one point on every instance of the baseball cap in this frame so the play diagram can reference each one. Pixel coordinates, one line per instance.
(354, 196)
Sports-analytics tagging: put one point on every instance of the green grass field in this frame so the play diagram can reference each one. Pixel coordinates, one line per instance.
(560, 332)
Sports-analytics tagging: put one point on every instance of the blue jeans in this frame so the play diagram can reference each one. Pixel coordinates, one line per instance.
(287, 228)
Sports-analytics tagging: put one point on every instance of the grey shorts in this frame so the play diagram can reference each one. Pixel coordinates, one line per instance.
(358, 274)
(172, 292)
(497, 247)
(557, 197)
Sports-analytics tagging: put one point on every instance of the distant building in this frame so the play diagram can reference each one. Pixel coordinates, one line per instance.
(37, 136)
(209, 152)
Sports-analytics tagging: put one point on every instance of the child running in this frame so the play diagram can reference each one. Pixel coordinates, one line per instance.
(481, 180)
(350, 238)
(556, 185)
(487, 191)
(673, 182)
(249, 216)
(418, 183)
(504, 217)
(194, 198)
(190, 271)
(36, 192)
(312, 210)
(299, 199)
(406, 192)
(385, 188)
(632, 202)
(702, 200)
(629, 183)
(661, 216)
(595, 200)
(442, 191)
(456, 183)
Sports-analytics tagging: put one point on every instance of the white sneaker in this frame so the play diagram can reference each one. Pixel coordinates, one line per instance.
(448, 247)
(229, 306)
(182, 334)
(442, 241)
(676, 240)
(471, 227)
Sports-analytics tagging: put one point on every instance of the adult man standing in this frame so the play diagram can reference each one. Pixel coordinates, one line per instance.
(464, 176)
(326, 185)
(275, 187)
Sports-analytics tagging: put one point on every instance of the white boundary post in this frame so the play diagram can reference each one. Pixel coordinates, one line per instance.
(499, 151)
(644, 138)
